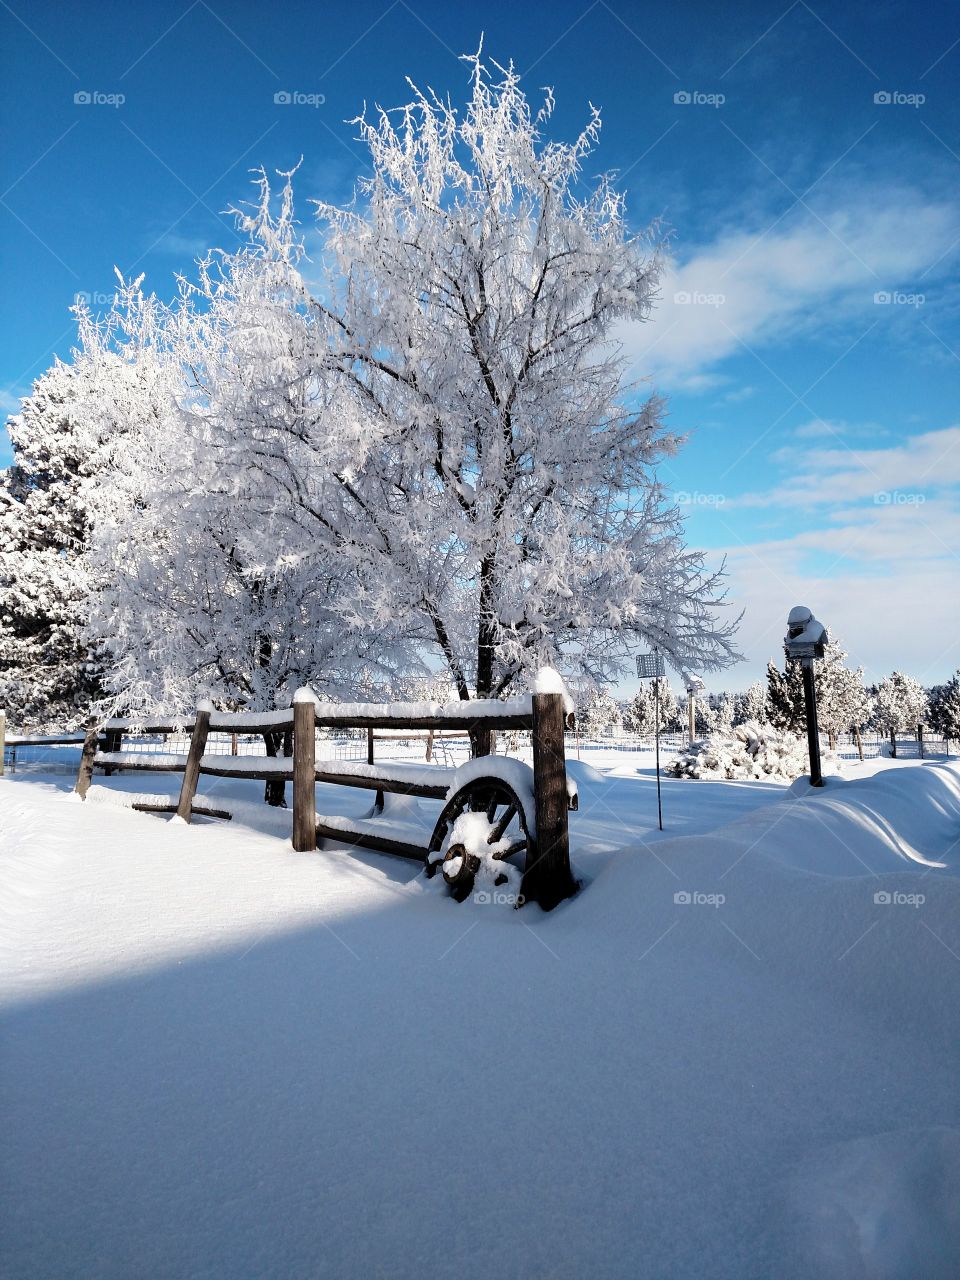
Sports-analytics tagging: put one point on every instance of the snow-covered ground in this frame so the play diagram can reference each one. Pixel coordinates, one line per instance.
(734, 1054)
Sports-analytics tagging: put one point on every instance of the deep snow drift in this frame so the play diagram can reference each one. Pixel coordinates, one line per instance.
(732, 1055)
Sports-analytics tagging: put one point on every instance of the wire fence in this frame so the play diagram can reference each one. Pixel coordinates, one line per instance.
(446, 749)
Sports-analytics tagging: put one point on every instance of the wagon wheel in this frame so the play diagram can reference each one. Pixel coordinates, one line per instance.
(499, 832)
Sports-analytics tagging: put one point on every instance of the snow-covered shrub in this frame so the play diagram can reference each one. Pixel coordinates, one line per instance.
(751, 750)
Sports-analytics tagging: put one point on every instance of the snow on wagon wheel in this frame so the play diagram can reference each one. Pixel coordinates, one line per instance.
(480, 828)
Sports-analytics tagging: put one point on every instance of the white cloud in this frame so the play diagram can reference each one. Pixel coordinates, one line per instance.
(898, 475)
(754, 288)
(882, 574)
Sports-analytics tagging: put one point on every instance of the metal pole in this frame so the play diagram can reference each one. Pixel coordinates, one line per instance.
(813, 730)
(656, 736)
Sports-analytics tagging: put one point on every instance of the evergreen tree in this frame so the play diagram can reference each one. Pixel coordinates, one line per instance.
(754, 704)
(599, 715)
(901, 704)
(945, 709)
(843, 704)
(48, 675)
(842, 700)
(640, 713)
(785, 707)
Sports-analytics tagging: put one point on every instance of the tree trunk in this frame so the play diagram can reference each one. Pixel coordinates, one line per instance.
(859, 741)
(893, 743)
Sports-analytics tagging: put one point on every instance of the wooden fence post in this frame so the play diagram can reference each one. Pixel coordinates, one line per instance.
(85, 774)
(547, 878)
(378, 802)
(191, 774)
(112, 741)
(304, 770)
(3, 738)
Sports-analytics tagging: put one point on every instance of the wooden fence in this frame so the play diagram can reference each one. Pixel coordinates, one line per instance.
(547, 877)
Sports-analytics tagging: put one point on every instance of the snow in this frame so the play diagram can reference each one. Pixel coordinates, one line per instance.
(224, 1058)
(282, 719)
(466, 711)
(426, 775)
(548, 680)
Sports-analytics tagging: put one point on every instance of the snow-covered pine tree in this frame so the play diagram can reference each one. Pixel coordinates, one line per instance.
(475, 458)
(842, 700)
(945, 710)
(785, 707)
(843, 704)
(49, 675)
(640, 713)
(753, 706)
(599, 715)
(722, 705)
(900, 705)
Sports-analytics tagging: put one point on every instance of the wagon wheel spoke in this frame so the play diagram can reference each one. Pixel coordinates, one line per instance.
(501, 824)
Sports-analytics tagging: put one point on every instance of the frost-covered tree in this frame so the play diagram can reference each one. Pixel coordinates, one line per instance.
(48, 672)
(477, 457)
(843, 704)
(640, 714)
(722, 706)
(785, 707)
(842, 701)
(599, 715)
(209, 585)
(945, 709)
(900, 705)
(752, 704)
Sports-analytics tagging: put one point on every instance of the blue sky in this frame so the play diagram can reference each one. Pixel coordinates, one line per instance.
(806, 157)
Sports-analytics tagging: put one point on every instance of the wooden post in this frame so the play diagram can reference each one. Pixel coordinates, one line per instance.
(90, 744)
(813, 729)
(305, 771)
(378, 802)
(547, 878)
(691, 717)
(191, 774)
(3, 738)
(112, 741)
(920, 740)
(893, 742)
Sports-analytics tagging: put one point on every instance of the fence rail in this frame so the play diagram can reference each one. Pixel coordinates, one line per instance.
(221, 745)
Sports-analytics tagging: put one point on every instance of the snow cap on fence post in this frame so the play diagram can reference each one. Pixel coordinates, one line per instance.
(306, 694)
(205, 704)
(549, 680)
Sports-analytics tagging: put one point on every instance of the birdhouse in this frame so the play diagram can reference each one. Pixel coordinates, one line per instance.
(806, 637)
